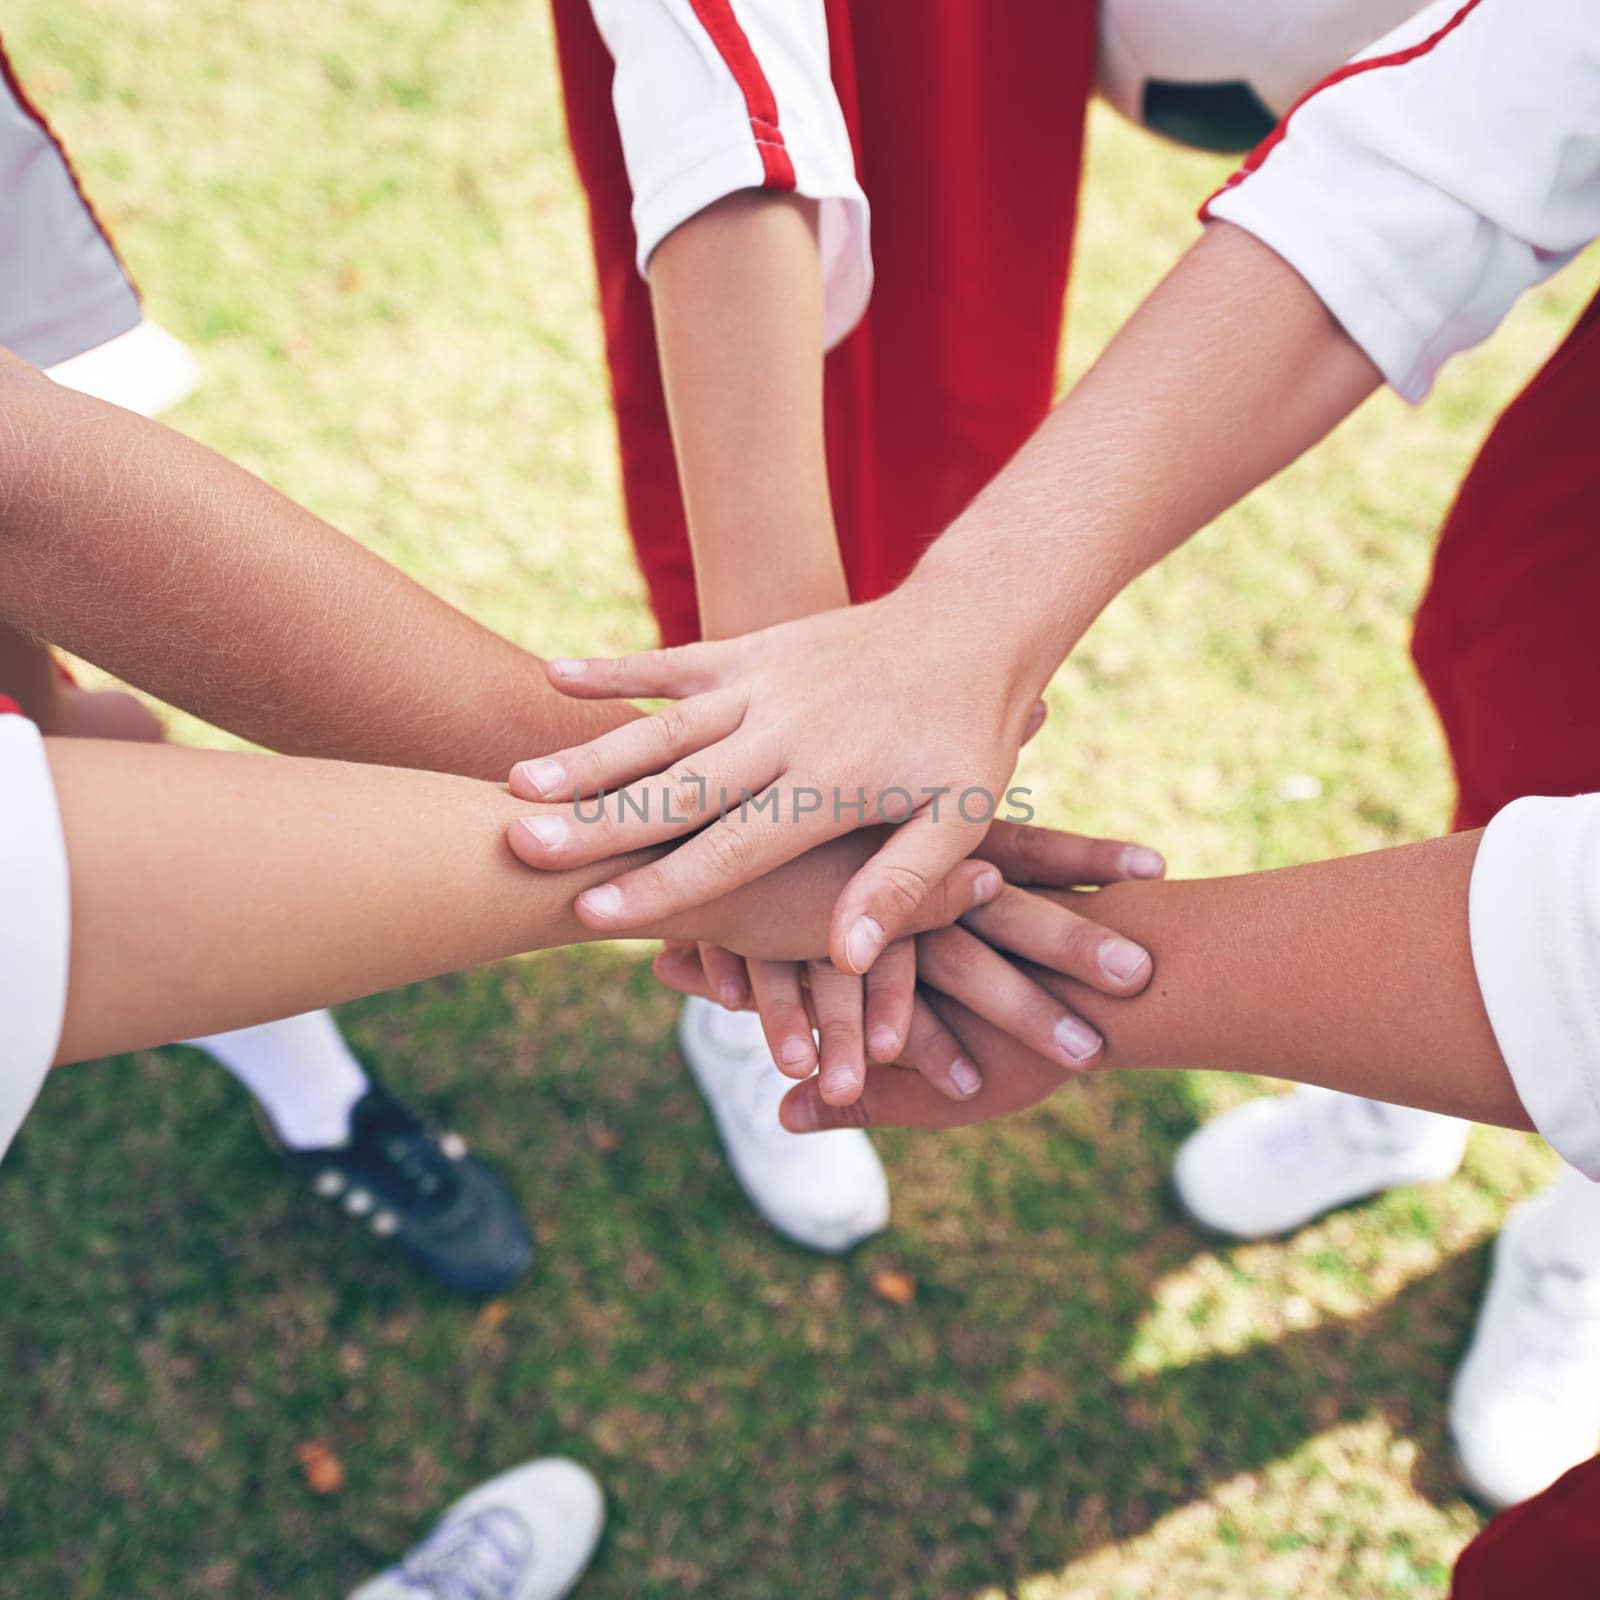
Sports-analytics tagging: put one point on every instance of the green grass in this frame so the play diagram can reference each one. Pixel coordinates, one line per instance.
(363, 218)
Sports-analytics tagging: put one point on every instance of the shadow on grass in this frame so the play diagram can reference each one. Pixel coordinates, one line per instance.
(175, 1318)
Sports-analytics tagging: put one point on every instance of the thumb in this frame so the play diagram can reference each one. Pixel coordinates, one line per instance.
(887, 896)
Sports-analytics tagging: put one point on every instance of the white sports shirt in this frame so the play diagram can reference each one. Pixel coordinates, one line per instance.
(34, 925)
(1441, 174)
(716, 96)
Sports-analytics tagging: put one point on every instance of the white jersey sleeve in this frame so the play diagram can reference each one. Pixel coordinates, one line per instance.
(1446, 170)
(1535, 920)
(716, 96)
(34, 927)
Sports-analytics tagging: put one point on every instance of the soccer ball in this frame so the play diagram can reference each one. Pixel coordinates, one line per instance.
(1218, 74)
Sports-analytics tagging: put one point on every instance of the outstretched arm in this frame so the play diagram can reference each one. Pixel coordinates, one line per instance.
(1378, 232)
(738, 299)
(1355, 974)
(1229, 371)
(149, 555)
(210, 889)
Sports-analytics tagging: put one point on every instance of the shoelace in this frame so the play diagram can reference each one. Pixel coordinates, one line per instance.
(477, 1558)
(408, 1160)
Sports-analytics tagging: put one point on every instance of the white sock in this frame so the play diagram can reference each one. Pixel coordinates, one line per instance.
(301, 1073)
(1563, 1223)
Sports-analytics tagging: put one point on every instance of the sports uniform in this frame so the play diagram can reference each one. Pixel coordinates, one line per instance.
(960, 124)
(34, 932)
(1420, 190)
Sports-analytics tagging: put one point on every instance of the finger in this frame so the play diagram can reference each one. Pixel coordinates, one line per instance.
(837, 1003)
(972, 884)
(780, 999)
(684, 669)
(750, 842)
(725, 973)
(645, 745)
(1031, 855)
(935, 1052)
(885, 897)
(1054, 936)
(962, 966)
(891, 991)
(894, 1097)
(666, 805)
(1035, 720)
(678, 967)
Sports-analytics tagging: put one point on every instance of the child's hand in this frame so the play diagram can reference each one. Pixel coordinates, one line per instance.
(1014, 1078)
(876, 1019)
(890, 711)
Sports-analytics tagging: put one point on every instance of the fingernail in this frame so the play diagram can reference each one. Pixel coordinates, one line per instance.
(800, 1116)
(965, 1077)
(840, 1085)
(1076, 1040)
(543, 777)
(567, 667)
(1123, 959)
(547, 832)
(863, 943)
(1138, 861)
(732, 995)
(604, 900)
(884, 1042)
(985, 887)
(793, 1051)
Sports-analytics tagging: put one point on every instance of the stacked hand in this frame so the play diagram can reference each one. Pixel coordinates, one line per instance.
(780, 741)
(1010, 1003)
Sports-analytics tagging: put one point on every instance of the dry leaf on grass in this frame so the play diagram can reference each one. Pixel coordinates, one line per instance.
(321, 1468)
(898, 1288)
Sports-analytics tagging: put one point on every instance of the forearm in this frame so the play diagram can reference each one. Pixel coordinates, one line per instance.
(211, 890)
(737, 294)
(152, 557)
(1355, 974)
(1228, 372)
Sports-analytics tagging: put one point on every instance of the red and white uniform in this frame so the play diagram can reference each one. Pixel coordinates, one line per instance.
(34, 930)
(1444, 172)
(961, 121)
(712, 98)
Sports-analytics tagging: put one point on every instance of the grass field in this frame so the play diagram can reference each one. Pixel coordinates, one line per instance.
(362, 217)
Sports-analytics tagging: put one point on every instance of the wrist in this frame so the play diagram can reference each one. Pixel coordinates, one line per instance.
(978, 630)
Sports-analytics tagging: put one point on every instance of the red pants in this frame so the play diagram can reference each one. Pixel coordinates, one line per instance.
(1508, 636)
(1548, 1547)
(967, 121)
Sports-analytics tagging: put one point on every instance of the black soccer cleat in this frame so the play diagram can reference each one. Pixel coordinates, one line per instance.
(419, 1189)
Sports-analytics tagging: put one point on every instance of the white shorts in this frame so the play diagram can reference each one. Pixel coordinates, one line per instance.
(34, 921)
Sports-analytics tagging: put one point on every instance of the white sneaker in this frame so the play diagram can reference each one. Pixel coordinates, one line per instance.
(527, 1535)
(826, 1191)
(146, 370)
(1526, 1402)
(1270, 1166)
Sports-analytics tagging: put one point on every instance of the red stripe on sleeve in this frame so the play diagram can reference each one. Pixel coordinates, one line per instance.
(9, 707)
(733, 45)
(1352, 69)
